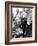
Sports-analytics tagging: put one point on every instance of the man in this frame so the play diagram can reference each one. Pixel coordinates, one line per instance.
(23, 23)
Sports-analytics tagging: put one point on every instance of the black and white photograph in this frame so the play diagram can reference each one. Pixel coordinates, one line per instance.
(21, 22)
